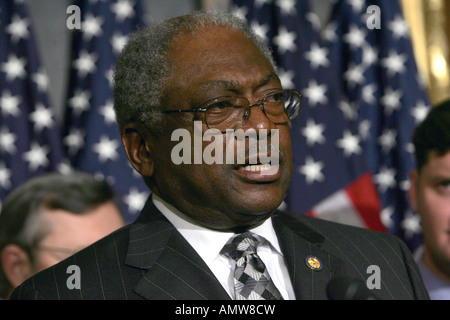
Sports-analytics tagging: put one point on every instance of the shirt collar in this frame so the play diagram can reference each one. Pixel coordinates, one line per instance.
(208, 243)
(438, 289)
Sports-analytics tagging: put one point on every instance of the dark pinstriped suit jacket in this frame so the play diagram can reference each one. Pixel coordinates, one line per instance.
(149, 259)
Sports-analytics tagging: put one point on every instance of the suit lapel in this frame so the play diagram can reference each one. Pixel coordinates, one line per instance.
(298, 242)
(171, 267)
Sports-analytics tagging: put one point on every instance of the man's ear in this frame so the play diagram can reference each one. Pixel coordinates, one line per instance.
(16, 264)
(135, 139)
(413, 185)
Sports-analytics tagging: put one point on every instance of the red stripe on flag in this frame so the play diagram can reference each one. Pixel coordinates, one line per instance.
(364, 196)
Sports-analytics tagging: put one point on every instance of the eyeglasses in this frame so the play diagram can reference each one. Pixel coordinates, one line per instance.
(232, 112)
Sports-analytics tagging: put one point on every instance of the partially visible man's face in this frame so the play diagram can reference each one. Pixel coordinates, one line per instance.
(69, 233)
(219, 62)
(431, 199)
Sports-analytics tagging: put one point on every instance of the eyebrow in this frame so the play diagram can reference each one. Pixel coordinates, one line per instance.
(234, 85)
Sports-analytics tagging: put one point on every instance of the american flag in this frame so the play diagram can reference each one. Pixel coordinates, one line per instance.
(363, 98)
(29, 134)
(91, 136)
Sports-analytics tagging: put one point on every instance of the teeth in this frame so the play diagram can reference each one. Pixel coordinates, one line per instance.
(258, 167)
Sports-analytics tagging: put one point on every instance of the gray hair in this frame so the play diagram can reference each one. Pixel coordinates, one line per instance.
(142, 69)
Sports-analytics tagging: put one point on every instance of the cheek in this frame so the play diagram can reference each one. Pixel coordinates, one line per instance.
(434, 211)
(286, 148)
(44, 260)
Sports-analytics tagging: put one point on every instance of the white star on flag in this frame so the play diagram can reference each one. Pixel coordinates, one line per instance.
(85, 63)
(260, 29)
(368, 92)
(411, 224)
(386, 216)
(18, 28)
(420, 111)
(7, 141)
(354, 75)
(399, 27)
(357, 5)
(391, 100)
(107, 111)
(285, 40)
(387, 140)
(106, 149)
(287, 7)
(364, 129)
(9, 104)
(370, 55)
(313, 132)
(41, 117)
(36, 156)
(41, 80)
(355, 37)
(118, 42)
(349, 143)
(109, 76)
(348, 109)
(74, 140)
(395, 63)
(123, 9)
(239, 12)
(91, 27)
(14, 67)
(385, 179)
(312, 170)
(286, 78)
(80, 101)
(329, 33)
(135, 200)
(317, 56)
(315, 93)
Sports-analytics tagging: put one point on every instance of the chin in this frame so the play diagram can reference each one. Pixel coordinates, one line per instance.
(257, 206)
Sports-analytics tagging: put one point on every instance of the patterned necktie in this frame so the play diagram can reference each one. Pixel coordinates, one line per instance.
(251, 278)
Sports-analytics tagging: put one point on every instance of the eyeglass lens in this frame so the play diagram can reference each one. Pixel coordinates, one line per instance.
(233, 112)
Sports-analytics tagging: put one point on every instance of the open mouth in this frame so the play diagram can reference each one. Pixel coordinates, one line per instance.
(259, 172)
(256, 167)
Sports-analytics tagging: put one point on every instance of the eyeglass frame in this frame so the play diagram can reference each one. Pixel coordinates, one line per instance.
(257, 103)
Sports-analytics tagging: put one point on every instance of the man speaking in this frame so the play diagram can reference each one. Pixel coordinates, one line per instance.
(212, 230)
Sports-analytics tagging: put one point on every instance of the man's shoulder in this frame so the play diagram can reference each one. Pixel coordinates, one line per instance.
(330, 229)
(349, 243)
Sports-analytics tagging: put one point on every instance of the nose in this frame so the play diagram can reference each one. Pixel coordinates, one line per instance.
(256, 118)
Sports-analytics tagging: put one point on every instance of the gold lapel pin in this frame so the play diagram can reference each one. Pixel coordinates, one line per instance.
(313, 263)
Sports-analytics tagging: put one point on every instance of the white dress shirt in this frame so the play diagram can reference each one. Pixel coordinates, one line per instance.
(208, 244)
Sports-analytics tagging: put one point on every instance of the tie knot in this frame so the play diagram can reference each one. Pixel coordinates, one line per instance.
(241, 245)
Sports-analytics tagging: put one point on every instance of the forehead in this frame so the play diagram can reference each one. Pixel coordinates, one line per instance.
(437, 164)
(218, 55)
